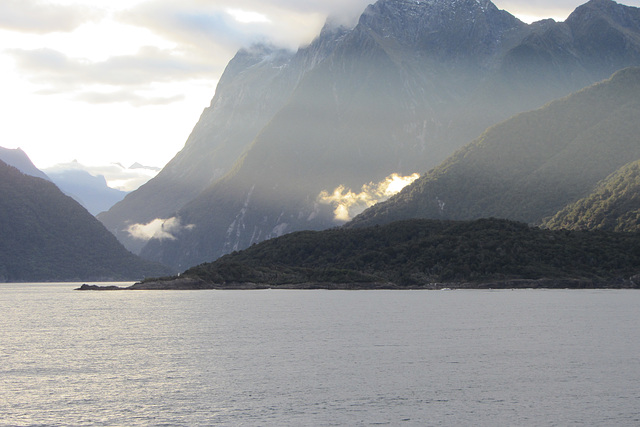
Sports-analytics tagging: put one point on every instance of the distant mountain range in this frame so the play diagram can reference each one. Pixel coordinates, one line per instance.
(47, 236)
(400, 92)
(90, 191)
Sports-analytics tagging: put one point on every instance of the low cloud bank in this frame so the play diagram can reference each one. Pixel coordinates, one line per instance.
(158, 229)
(348, 204)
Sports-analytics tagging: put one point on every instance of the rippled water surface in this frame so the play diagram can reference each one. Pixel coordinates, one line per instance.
(289, 358)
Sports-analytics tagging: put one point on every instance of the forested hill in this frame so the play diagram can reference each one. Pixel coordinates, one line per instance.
(532, 165)
(614, 205)
(425, 254)
(47, 236)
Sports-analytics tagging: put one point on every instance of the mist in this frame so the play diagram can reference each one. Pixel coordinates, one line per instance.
(347, 204)
(158, 229)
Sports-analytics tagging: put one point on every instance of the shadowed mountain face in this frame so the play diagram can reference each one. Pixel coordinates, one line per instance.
(531, 166)
(405, 88)
(47, 236)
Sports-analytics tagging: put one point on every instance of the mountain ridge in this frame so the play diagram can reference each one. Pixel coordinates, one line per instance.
(21, 161)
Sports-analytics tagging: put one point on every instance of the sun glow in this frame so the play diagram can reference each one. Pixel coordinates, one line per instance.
(248, 17)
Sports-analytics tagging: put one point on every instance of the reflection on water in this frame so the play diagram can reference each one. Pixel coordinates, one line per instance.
(318, 357)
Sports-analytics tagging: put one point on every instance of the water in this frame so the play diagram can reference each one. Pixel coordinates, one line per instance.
(295, 358)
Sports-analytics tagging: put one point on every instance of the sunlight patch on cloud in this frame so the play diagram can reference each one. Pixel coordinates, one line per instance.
(247, 17)
(348, 204)
(158, 229)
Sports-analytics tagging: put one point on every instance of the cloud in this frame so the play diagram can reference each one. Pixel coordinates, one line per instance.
(129, 97)
(192, 40)
(34, 16)
(158, 229)
(227, 25)
(120, 78)
(348, 204)
(149, 64)
(246, 17)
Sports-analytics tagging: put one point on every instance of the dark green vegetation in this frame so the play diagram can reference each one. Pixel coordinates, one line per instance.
(47, 236)
(614, 205)
(425, 254)
(532, 165)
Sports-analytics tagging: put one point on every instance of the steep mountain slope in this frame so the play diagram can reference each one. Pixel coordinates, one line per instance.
(532, 165)
(47, 236)
(19, 160)
(412, 82)
(255, 85)
(614, 205)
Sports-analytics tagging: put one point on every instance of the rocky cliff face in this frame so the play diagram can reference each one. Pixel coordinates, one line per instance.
(405, 88)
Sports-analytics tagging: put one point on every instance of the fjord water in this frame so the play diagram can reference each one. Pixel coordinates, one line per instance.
(194, 358)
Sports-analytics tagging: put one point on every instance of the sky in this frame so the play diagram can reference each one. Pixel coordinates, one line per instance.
(125, 81)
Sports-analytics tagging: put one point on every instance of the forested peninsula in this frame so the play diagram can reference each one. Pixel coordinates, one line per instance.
(423, 254)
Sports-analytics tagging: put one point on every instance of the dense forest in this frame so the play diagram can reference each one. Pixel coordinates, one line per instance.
(426, 254)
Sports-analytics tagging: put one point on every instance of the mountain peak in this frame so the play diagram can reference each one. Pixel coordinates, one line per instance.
(446, 28)
(627, 16)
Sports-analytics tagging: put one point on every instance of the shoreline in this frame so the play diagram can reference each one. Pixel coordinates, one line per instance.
(198, 284)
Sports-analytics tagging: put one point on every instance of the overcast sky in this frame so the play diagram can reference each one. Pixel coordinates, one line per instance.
(125, 81)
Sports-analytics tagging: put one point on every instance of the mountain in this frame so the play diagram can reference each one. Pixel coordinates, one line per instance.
(255, 85)
(412, 82)
(19, 160)
(532, 165)
(90, 191)
(424, 254)
(614, 205)
(47, 236)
